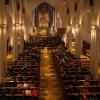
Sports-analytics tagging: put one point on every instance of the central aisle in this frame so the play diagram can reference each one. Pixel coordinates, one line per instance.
(49, 83)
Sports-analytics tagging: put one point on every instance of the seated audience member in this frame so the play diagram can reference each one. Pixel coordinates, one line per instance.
(85, 91)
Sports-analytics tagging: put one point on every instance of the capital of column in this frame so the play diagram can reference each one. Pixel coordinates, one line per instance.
(3, 26)
(15, 26)
(74, 28)
(94, 27)
(68, 28)
(77, 26)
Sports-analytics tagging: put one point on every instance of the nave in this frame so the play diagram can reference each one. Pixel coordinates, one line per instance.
(49, 81)
(49, 73)
(49, 50)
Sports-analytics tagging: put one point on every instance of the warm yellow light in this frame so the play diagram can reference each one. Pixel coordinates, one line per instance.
(93, 32)
(98, 21)
(73, 31)
(23, 27)
(11, 41)
(65, 39)
(4, 25)
(93, 27)
(4, 31)
(19, 27)
(80, 21)
(0, 31)
(77, 28)
(68, 28)
(20, 21)
(13, 27)
(0, 20)
(25, 35)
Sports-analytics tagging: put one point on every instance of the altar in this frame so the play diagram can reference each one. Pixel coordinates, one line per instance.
(43, 32)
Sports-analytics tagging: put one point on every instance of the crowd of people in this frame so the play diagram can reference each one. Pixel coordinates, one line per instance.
(76, 80)
(23, 77)
(48, 41)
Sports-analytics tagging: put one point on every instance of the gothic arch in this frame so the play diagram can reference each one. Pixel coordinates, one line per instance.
(58, 5)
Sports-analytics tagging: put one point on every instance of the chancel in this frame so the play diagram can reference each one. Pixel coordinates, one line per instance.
(49, 50)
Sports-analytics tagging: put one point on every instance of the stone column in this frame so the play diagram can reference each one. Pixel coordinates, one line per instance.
(3, 52)
(3, 44)
(26, 28)
(4, 39)
(77, 41)
(53, 24)
(94, 51)
(15, 41)
(1, 55)
(21, 39)
(69, 34)
(64, 38)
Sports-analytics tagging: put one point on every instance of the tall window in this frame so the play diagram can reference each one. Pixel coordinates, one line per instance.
(67, 11)
(75, 7)
(91, 2)
(23, 10)
(18, 6)
(6, 2)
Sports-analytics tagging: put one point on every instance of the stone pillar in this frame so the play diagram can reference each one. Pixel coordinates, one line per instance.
(94, 51)
(26, 28)
(53, 24)
(69, 34)
(15, 41)
(3, 44)
(64, 38)
(1, 55)
(3, 52)
(4, 38)
(77, 41)
(21, 40)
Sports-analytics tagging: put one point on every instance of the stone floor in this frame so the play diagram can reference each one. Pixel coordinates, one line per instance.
(49, 84)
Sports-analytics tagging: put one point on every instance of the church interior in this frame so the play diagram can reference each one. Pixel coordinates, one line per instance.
(49, 50)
